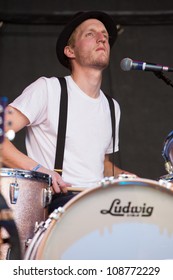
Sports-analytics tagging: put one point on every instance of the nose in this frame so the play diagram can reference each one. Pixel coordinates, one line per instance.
(100, 37)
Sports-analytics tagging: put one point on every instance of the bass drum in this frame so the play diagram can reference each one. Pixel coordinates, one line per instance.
(120, 219)
(27, 194)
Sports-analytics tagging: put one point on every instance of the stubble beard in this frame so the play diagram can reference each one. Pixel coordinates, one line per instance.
(97, 63)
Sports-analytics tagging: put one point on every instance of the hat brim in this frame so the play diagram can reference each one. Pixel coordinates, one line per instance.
(77, 20)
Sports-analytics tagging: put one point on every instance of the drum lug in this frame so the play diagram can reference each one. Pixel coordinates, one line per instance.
(36, 226)
(106, 181)
(123, 176)
(56, 214)
(47, 197)
(27, 242)
(165, 183)
(14, 192)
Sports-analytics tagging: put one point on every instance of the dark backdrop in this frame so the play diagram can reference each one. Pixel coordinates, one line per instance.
(28, 33)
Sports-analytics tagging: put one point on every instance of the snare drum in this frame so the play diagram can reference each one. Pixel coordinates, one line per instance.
(120, 219)
(27, 193)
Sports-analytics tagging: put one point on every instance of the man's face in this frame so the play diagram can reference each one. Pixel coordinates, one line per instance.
(91, 44)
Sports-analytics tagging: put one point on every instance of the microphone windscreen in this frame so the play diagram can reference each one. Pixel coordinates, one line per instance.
(126, 64)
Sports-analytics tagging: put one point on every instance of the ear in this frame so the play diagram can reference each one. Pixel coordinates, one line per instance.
(68, 51)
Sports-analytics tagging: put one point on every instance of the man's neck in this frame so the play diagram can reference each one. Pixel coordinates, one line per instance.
(89, 81)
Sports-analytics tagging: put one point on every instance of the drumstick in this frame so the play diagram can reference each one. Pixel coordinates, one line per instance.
(76, 189)
(72, 188)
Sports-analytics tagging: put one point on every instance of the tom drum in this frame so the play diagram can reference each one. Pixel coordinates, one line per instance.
(27, 193)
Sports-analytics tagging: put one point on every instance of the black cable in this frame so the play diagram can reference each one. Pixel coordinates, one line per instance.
(160, 75)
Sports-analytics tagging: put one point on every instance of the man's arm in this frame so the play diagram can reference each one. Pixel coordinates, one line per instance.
(13, 158)
(109, 168)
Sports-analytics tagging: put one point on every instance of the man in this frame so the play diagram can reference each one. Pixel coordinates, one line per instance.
(84, 47)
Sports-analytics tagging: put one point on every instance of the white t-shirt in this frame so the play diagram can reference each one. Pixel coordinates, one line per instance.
(88, 134)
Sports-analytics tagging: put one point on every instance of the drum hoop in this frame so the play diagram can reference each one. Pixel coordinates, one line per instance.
(162, 185)
(25, 174)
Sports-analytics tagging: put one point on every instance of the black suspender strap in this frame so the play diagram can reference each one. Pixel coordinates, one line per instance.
(61, 126)
(112, 112)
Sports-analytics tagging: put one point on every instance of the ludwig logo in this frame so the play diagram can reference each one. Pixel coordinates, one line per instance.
(117, 209)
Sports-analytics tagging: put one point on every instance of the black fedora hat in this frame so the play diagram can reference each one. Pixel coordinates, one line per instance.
(76, 20)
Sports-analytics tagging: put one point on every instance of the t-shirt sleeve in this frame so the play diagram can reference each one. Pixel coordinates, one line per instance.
(32, 102)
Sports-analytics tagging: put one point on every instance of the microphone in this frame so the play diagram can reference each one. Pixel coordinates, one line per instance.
(128, 64)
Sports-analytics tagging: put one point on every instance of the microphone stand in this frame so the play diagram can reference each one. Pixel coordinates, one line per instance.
(160, 75)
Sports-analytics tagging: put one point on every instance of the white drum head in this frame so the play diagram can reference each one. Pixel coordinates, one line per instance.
(127, 219)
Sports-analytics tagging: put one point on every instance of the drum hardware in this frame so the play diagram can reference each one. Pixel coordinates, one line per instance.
(166, 182)
(126, 176)
(14, 192)
(167, 177)
(106, 181)
(36, 226)
(110, 180)
(169, 167)
(42, 227)
(47, 196)
(56, 211)
(28, 241)
(53, 216)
